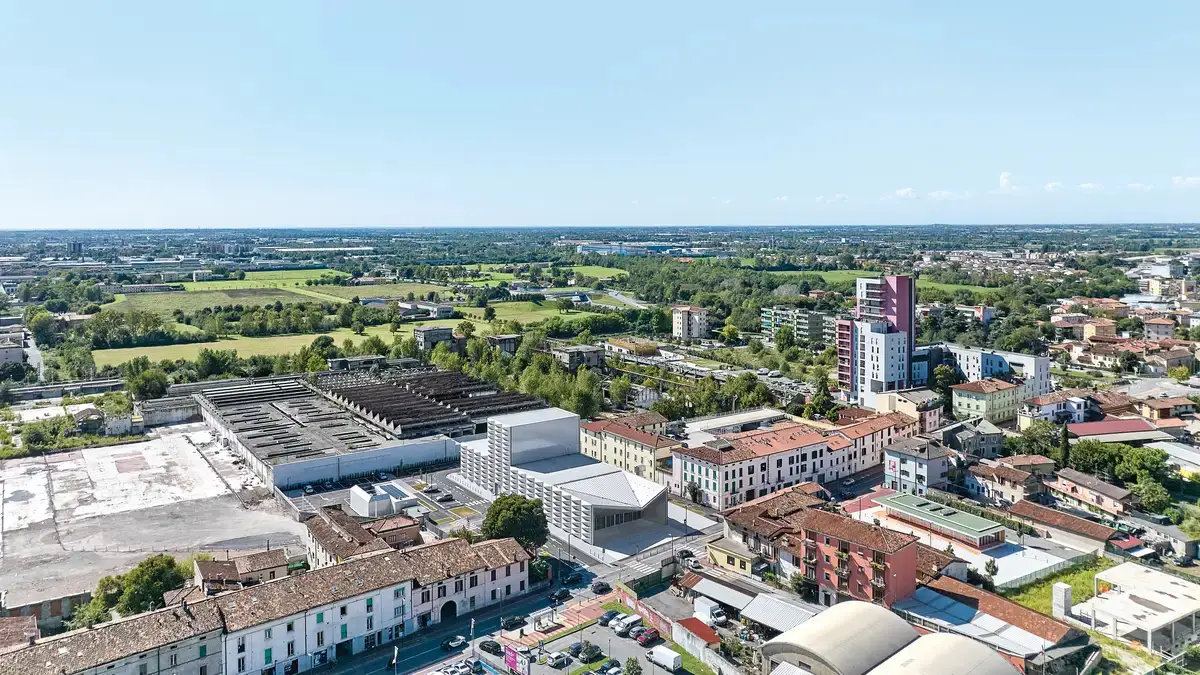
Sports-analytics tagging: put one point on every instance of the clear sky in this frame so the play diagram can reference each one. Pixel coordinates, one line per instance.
(272, 113)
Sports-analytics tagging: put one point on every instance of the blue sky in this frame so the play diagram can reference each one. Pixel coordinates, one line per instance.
(268, 114)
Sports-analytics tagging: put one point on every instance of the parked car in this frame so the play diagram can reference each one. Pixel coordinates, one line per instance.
(474, 664)
(308, 489)
(684, 553)
(572, 578)
(446, 498)
(430, 489)
(456, 642)
(575, 648)
(847, 482)
(607, 617)
(557, 660)
(561, 595)
(609, 665)
(636, 631)
(763, 371)
(491, 647)
(590, 654)
(693, 564)
(601, 587)
(647, 637)
(512, 622)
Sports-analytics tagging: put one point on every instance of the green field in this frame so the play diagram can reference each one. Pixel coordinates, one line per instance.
(1036, 596)
(608, 300)
(598, 271)
(525, 312)
(190, 301)
(271, 279)
(400, 290)
(836, 276)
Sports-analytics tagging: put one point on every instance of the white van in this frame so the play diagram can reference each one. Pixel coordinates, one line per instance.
(628, 622)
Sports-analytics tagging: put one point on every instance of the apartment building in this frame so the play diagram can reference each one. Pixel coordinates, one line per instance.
(1088, 493)
(1066, 406)
(875, 351)
(976, 437)
(737, 467)
(922, 404)
(1000, 485)
(1155, 409)
(866, 440)
(1158, 329)
(334, 536)
(992, 399)
(1041, 467)
(811, 326)
(915, 465)
(634, 450)
(844, 558)
(974, 363)
(574, 357)
(689, 322)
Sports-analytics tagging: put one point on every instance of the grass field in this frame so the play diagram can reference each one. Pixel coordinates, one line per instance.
(271, 279)
(608, 300)
(835, 276)
(598, 271)
(525, 312)
(1036, 596)
(400, 290)
(190, 301)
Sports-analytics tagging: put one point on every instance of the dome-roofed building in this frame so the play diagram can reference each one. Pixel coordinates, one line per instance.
(849, 638)
(945, 654)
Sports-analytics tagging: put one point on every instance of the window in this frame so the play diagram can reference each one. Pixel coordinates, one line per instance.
(203, 651)
(425, 595)
(493, 575)
(441, 591)
(493, 594)
(320, 617)
(507, 589)
(729, 560)
(508, 570)
(522, 565)
(397, 611)
(522, 585)
(291, 648)
(241, 664)
(342, 610)
(142, 669)
(241, 644)
(203, 670)
(370, 605)
(474, 581)
(370, 623)
(344, 631)
(742, 564)
(267, 634)
(271, 574)
(458, 585)
(398, 593)
(473, 600)
(173, 660)
(267, 656)
(320, 638)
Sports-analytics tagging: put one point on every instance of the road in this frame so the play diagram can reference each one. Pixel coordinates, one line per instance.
(33, 356)
(628, 300)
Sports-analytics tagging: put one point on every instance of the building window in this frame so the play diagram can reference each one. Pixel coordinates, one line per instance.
(203, 651)
(241, 644)
(507, 589)
(173, 660)
(474, 581)
(493, 575)
(398, 593)
(508, 570)
(493, 594)
(441, 591)
(291, 626)
(291, 648)
(203, 670)
(370, 605)
(397, 611)
(522, 585)
(729, 560)
(342, 611)
(320, 617)
(344, 631)
(267, 656)
(458, 585)
(370, 623)
(425, 595)
(241, 666)
(320, 638)
(267, 634)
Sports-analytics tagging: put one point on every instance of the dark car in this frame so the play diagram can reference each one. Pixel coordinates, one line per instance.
(561, 595)
(647, 636)
(491, 647)
(430, 489)
(609, 664)
(511, 622)
(601, 587)
(446, 498)
(684, 553)
(607, 617)
(590, 654)
(572, 578)
(575, 648)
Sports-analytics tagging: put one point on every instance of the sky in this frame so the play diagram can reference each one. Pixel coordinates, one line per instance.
(311, 114)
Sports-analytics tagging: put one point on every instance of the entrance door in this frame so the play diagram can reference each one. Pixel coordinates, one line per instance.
(449, 610)
(344, 649)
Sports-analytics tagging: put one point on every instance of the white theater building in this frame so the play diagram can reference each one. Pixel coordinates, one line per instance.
(537, 454)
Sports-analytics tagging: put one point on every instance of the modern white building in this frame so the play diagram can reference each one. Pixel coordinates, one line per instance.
(689, 322)
(537, 454)
(914, 465)
(977, 364)
(883, 361)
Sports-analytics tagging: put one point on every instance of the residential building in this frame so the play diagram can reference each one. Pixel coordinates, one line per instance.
(843, 557)
(738, 467)
(992, 399)
(334, 536)
(537, 454)
(974, 531)
(650, 422)
(1130, 430)
(875, 351)
(1159, 329)
(1155, 409)
(631, 449)
(17, 632)
(974, 363)
(866, 441)
(1041, 467)
(507, 343)
(923, 404)
(428, 337)
(999, 484)
(1086, 492)
(809, 326)
(689, 322)
(1160, 363)
(1099, 327)
(915, 465)
(1066, 406)
(1045, 516)
(574, 357)
(974, 438)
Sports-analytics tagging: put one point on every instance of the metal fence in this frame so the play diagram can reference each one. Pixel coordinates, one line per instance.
(1047, 571)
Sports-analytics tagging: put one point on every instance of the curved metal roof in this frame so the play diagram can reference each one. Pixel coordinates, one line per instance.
(849, 638)
(945, 654)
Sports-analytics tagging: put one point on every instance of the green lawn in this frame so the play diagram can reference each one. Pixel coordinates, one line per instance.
(190, 301)
(400, 290)
(269, 279)
(608, 301)
(616, 605)
(598, 271)
(525, 312)
(1036, 596)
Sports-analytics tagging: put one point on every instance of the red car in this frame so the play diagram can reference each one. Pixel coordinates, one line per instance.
(649, 635)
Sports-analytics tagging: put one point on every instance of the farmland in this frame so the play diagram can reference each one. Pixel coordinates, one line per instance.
(839, 276)
(191, 301)
(400, 290)
(271, 279)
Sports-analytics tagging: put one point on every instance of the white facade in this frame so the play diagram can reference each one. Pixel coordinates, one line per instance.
(882, 361)
(11, 353)
(913, 471)
(978, 364)
(731, 483)
(689, 323)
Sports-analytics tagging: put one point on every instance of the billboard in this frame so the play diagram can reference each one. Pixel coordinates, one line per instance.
(515, 662)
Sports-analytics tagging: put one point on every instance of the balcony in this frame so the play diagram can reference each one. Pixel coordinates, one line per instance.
(810, 542)
(878, 565)
(843, 571)
(879, 582)
(843, 555)
(810, 559)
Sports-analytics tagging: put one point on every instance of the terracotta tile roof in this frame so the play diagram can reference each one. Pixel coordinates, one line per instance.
(699, 629)
(1094, 484)
(88, 648)
(496, 553)
(836, 442)
(639, 420)
(689, 580)
(16, 631)
(264, 560)
(767, 515)
(875, 425)
(931, 561)
(1159, 322)
(994, 473)
(615, 428)
(1025, 460)
(341, 535)
(1006, 610)
(1057, 397)
(989, 386)
(1167, 403)
(689, 308)
(1063, 521)
(747, 445)
(217, 570)
(389, 524)
(1111, 401)
(1170, 423)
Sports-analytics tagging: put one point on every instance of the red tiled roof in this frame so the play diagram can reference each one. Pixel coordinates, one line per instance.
(1025, 460)
(689, 308)
(989, 386)
(1063, 521)
(699, 629)
(1170, 423)
(1006, 610)
(1056, 397)
(638, 420)
(748, 445)
(875, 425)
(996, 472)
(1110, 426)
(931, 561)
(1166, 403)
(1126, 543)
(1160, 322)
(615, 428)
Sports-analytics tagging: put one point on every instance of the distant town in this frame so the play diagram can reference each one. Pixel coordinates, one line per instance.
(613, 450)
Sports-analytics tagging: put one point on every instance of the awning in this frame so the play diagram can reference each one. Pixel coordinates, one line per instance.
(1142, 552)
(722, 594)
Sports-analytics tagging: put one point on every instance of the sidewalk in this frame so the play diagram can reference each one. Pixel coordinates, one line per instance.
(567, 618)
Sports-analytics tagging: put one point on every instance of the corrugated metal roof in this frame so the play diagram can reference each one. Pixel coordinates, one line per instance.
(960, 618)
(776, 613)
(722, 594)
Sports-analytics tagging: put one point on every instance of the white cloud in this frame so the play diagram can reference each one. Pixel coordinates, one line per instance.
(904, 193)
(1007, 186)
(1054, 187)
(831, 199)
(1089, 186)
(781, 198)
(1141, 187)
(727, 201)
(946, 195)
(1186, 181)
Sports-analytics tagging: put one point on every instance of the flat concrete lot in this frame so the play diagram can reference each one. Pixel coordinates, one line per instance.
(68, 519)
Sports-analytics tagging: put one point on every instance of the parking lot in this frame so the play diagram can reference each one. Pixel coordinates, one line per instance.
(463, 506)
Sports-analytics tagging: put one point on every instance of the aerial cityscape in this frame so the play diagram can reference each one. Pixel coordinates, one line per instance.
(694, 338)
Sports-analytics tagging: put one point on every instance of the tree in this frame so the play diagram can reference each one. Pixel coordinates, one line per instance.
(991, 568)
(1064, 448)
(148, 384)
(466, 329)
(694, 492)
(729, 333)
(489, 313)
(1180, 374)
(516, 516)
(1154, 497)
(469, 536)
(138, 590)
(565, 305)
(358, 327)
(1042, 437)
(785, 338)
(632, 667)
(619, 388)
(945, 377)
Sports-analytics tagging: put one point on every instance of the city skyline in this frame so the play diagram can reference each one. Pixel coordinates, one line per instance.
(537, 115)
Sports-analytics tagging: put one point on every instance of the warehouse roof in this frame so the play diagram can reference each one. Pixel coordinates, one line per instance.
(849, 638)
(1063, 521)
(945, 654)
(1094, 484)
(775, 612)
(933, 512)
(594, 482)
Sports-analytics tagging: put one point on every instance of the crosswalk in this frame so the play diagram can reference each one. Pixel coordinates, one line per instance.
(640, 568)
